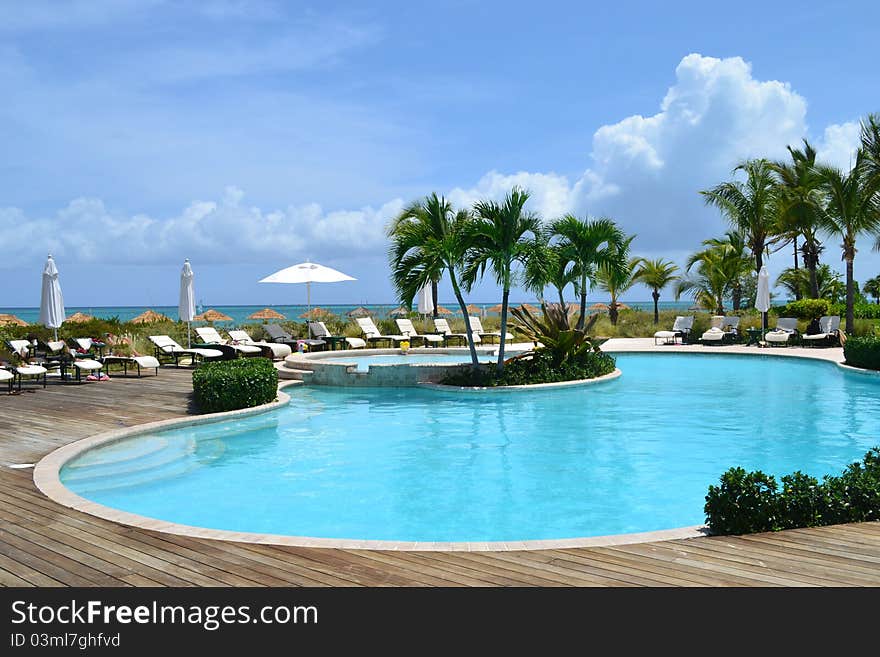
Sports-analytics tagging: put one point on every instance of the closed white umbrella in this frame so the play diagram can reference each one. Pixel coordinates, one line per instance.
(762, 301)
(426, 300)
(186, 308)
(308, 273)
(51, 300)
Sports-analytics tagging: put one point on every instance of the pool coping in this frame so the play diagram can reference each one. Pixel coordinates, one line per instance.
(47, 480)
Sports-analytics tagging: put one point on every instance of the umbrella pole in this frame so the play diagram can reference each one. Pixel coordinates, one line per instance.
(55, 329)
(309, 302)
(188, 335)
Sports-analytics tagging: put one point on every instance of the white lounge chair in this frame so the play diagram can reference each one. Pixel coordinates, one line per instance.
(477, 327)
(715, 335)
(406, 328)
(279, 351)
(372, 334)
(681, 328)
(442, 327)
(829, 331)
(139, 362)
(730, 326)
(165, 346)
(21, 348)
(786, 328)
(320, 330)
(209, 335)
(7, 376)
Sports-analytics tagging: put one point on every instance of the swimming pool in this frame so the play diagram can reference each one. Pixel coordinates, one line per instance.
(635, 454)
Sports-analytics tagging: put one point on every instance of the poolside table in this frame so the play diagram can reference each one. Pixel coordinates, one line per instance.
(754, 336)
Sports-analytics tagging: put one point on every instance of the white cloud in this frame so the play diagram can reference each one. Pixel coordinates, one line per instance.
(551, 194)
(839, 143)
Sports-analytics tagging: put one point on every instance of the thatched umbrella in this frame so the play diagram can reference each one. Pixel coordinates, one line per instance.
(360, 311)
(79, 318)
(266, 313)
(212, 315)
(600, 306)
(530, 308)
(494, 309)
(317, 314)
(474, 310)
(622, 306)
(444, 311)
(150, 317)
(11, 319)
(399, 312)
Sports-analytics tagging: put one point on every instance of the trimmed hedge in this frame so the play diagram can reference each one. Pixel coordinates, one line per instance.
(863, 352)
(539, 368)
(232, 384)
(748, 502)
(860, 310)
(805, 309)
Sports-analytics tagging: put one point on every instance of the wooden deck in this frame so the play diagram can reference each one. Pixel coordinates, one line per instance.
(45, 544)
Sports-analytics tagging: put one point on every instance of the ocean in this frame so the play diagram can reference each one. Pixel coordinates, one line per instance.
(239, 314)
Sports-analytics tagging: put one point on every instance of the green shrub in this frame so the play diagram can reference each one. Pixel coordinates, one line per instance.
(863, 352)
(540, 367)
(808, 309)
(233, 384)
(747, 502)
(860, 310)
(744, 503)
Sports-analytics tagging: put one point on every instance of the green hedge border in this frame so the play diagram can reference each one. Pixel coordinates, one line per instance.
(234, 384)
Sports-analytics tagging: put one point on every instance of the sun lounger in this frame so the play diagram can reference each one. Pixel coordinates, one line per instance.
(477, 327)
(406, 328)
(730, 326)
(442, 327)
(786, 329)
(21, 349)
(166, 347)
(88, 347)
(278, 334)
(210, 336)
(829, 332)
(681, 329)
(372, 334)
(140, 362)
(8, 377)
(277, 350)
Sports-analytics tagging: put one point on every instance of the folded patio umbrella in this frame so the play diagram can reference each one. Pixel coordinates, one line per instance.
(51, 300)
(186, 307)
(426, 300)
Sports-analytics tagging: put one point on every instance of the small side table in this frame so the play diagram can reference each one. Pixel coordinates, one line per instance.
(754, 336)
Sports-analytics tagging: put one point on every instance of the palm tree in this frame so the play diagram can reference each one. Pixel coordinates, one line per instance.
(545, 265)
(871, 142)
(872, 288)
(502, 235)
(800, 207)
(656, 274)
(852, 209)
(750, 206)
(717, 270)
(737, 263)
(618, 276)
(427, 239)
(586, 245)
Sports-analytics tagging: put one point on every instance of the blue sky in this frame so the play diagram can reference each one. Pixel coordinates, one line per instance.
(249, 135)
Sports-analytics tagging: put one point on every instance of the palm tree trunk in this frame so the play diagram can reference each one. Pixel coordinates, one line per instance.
(436, 301)
(850, 296)
(656, 295)
(580, 324)
(613, 312)
(797, 292)
(759, 256)
(464, 311)
(812, 262)
(504, 300)
(561, 296)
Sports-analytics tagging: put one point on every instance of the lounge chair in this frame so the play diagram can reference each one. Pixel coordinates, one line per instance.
(7, 376)
(477, 327)
(278, 334)
(442, 327)
(829, 332)
(21, 349)
(320, 330)
(277, 350)
(210, 336)
(730, 326)
(145, 362)
(166, 347)
(88, 347)
(406, 328)
(372, 334)
(681, 329)
(786, 329)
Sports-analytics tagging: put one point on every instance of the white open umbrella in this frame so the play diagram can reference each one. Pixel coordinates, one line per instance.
(51, 300)
(308, 273)
(426, 300)
(762, 301)
(186, 308)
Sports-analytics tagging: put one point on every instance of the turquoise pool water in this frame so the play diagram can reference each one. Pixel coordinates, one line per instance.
(633, 454)
(363, 362)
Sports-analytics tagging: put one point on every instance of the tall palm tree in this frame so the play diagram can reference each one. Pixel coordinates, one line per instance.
(586, 245)
(656, 274)
(750, 206)
(871, 142)
(711, 275)
(428, 239)
(852, 209)
(872, 288)
(738, 264)
(545, 266)
(501, 236)
(800, 207)
(617, 276)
